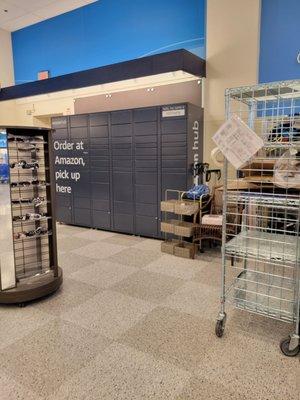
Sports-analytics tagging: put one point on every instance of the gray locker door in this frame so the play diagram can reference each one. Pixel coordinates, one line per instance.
(60, 124)
(122, 171)
(100, 170)
(81, 188)
(63, 202)
(174, 153)
(64, 208)
(146, 171)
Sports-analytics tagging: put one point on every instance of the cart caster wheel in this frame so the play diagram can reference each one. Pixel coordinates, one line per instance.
(220, 328)
(284, 347)
(22, 305)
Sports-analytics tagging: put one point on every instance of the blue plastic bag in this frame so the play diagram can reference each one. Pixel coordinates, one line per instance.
(197, 191)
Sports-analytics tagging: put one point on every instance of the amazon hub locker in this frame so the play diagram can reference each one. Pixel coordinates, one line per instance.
(112, 168)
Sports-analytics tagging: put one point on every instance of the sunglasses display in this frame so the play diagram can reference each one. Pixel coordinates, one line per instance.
(36, 201)
(25, 165)
(20, 184)
(27, 147)
(28, 258)
(40, 231)
(33, 182)
(27, 183)
(24, 139)
(30, 217)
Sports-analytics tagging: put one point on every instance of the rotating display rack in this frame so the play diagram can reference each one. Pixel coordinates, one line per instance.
(28, 246)
(261, 256)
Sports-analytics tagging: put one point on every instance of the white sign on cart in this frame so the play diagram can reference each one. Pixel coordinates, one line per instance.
(237, 141)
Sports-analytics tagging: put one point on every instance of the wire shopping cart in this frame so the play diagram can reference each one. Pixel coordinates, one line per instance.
(261, 255)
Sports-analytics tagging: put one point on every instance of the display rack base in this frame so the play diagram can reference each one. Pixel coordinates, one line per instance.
(28, 291)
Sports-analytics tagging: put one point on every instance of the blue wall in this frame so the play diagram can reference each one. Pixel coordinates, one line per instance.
(107, 32)
(280, 40)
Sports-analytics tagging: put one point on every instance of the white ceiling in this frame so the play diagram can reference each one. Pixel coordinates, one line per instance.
(21, 13)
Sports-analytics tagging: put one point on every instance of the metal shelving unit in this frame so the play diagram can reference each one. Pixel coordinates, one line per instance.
(176, 209)
(181, 222)
(261, 257)
(28, 259)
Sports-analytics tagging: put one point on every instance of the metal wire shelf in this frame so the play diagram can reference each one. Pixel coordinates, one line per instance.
(271, 200)
(264, 246)
(261, 255)
(263, 294)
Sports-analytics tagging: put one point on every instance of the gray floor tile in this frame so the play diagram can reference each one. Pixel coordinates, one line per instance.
(12, 390)
(205, 389)
(210, 274)
(123, 373)
(71, 294)
(99, 250)
(94, 235)
(61, 235)
(157, 344)
(124, 240)
(71, 243)
(17, 322)
(175, 337)
(148, 286)
(135, 257)
(103, 274)
(50, 355)
(71, 263)
(150, 244)
(264, 329)
(109, 313)
(69, 229)
(246, 364)
(196, 299)
(211, 254)
(175, 266)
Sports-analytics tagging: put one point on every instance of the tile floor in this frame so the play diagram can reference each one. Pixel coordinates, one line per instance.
(131, 323)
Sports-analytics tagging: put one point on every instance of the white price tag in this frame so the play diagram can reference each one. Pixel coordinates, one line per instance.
(237, 141)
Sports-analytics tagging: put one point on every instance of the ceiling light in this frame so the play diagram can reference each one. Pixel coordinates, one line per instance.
(108, 96)
(150, 89)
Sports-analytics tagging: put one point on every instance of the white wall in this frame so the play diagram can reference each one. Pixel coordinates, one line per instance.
(6, 59)
(24, 112)
(232, 56)
(8, 113)
(7, 108)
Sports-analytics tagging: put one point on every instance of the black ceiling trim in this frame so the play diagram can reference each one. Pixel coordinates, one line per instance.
(146, 66)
